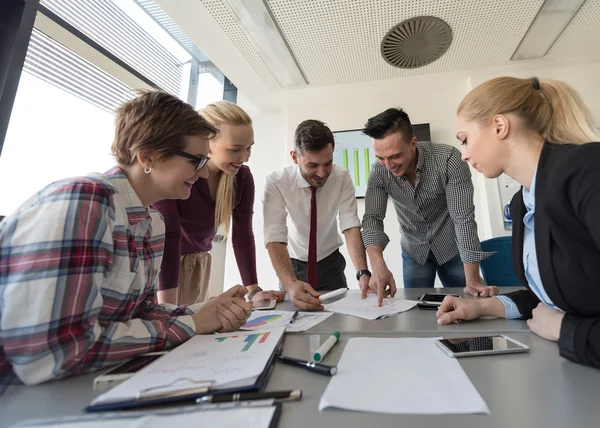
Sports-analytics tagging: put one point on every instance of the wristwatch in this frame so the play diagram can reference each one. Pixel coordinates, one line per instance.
(361, 273)
(253, 292)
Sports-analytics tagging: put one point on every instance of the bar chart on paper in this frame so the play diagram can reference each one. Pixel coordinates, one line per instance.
(354, 152)
(248, 340)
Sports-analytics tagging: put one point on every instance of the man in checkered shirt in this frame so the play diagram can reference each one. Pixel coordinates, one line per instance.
(432, 192)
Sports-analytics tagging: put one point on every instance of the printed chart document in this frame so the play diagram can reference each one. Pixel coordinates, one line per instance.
(260, 320)
(219, 360)
(367, 308)
(189, 416)
(307, 320)
(406, 375)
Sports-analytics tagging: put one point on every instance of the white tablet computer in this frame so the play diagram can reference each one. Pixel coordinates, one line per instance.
(482, 345)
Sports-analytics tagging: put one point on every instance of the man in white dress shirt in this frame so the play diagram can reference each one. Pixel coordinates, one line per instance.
(313, 193)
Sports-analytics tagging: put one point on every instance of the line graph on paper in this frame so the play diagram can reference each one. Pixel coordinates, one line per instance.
(367, 308)
(217, 361)
(306, 320)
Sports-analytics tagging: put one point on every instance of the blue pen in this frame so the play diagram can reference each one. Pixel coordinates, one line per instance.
(294, 317)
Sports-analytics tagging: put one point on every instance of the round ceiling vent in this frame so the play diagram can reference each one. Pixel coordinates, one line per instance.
(416, 42)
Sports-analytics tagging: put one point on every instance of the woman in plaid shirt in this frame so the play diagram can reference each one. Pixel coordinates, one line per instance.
(79, 260)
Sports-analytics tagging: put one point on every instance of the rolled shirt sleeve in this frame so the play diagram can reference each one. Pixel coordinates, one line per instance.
(274, 214)
(348, 210)
(376, 200)
(512, 312)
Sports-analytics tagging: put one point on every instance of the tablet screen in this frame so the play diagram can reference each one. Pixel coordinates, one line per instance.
(477, 344)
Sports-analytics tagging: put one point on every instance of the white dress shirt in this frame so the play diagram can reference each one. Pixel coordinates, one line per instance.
(288, 193)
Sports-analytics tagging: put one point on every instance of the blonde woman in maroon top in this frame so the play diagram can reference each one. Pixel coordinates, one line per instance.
(225, 198)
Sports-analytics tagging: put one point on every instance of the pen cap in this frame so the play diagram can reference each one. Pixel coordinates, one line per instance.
(324, 349)
(314, 343)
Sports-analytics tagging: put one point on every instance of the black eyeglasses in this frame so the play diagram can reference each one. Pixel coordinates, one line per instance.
(200, 160)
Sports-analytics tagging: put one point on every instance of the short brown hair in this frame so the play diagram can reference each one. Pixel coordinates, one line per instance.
(155, 122)
(313, 136)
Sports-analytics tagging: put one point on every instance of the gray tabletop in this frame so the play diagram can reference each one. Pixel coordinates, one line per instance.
(538, 389)
(414, 320)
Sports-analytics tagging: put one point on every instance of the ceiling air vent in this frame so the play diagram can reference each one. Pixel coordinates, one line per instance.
(416, 42)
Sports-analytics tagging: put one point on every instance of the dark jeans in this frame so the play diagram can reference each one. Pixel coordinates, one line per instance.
(330, 272)
(452, 273)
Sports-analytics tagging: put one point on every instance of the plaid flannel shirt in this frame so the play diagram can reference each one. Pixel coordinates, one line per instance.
(79, 263)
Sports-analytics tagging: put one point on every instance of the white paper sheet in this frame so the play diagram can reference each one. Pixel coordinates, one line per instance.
(258, 417)
(367, 308)
(260, 320)
(306, 320)
(407, 375)
(220, 360)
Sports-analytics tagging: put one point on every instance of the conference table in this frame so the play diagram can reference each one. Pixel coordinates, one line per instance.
(416, 320)
(535, 389)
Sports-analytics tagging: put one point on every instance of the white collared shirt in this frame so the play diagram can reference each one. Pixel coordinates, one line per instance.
(288, 193)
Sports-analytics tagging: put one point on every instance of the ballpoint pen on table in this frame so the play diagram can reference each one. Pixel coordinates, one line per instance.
(276, 396)
(321, 369)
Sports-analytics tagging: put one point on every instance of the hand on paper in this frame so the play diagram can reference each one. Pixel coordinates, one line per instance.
(477, 289)
(303, 296)
(226, 312)
(269, 295)
(382, 282)
(363, 284)
(455, 309)
(546, 322)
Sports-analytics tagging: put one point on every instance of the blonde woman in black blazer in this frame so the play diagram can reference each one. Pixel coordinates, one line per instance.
(541, 134)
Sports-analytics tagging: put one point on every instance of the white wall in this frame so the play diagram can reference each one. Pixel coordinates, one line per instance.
(433, 103)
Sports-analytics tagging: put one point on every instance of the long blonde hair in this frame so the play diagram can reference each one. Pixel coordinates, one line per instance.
(550, 107)
(217, 114)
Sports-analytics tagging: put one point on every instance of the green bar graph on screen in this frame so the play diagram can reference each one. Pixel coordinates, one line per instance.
(367, 166)
(356, 173)
(345, 158)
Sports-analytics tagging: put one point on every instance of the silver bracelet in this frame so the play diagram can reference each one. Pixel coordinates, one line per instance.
(253, 293)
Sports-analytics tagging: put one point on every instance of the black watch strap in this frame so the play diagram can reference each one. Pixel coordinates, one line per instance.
(361, 273)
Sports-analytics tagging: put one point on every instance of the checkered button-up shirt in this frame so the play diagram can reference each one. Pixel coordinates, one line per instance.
(79, 263)
(436, 214)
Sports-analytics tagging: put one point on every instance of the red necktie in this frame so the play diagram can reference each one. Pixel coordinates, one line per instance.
(312, 243)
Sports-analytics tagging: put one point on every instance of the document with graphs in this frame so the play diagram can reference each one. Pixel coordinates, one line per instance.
(219, 361)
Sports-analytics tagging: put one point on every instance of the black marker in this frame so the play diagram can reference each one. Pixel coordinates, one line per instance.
(321, 369)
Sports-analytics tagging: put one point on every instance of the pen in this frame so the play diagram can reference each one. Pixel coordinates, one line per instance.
(277, 396)
(294, 317)
(321, 369)
(333, 293)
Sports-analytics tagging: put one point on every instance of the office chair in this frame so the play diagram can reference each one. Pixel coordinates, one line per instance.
(497, 269)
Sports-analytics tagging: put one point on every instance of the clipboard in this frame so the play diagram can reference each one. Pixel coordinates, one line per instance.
(97, 419)
(190, 394)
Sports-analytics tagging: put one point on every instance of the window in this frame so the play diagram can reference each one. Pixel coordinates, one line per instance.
(62, 121)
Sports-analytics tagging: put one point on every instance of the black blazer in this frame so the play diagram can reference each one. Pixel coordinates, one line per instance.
(567, 237)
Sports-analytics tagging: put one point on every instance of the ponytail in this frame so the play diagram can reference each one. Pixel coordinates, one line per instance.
(550, 107)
